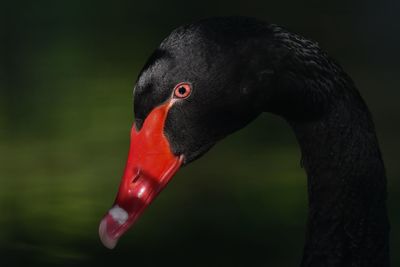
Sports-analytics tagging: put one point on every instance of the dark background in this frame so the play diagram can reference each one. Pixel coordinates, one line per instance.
(66, 76)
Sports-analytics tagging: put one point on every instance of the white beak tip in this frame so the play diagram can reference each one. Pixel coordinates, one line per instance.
(107, 241)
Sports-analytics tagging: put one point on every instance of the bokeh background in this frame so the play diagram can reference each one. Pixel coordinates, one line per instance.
(67, 71)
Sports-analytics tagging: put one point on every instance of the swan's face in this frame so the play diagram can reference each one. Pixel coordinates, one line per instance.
(190, 94)
(219, 101)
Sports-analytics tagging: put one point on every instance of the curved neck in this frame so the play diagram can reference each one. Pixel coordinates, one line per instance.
(347, 220)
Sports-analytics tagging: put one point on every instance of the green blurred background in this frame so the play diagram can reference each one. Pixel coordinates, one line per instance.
(67, 71)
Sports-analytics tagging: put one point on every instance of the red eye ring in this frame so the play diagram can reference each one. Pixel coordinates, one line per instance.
(182, 90)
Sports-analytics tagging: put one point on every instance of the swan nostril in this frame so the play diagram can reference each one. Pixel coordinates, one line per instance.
(136, 177)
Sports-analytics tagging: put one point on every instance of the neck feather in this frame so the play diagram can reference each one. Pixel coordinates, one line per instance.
(347, 220)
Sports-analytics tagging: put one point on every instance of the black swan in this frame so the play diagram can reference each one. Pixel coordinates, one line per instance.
(211, 78)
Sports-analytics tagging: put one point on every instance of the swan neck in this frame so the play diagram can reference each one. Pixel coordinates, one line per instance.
(347, 220)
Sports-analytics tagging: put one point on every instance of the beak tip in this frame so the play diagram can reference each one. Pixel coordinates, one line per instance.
(105, 238)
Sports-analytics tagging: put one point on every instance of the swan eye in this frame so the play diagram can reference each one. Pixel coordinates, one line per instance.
(182, 90)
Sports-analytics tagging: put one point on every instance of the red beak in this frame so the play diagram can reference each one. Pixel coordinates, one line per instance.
(149, 168)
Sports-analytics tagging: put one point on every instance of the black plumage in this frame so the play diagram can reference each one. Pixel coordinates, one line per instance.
(240, 67)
